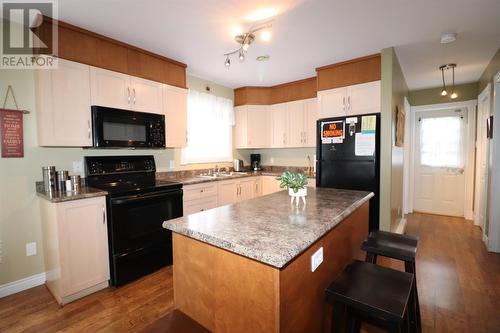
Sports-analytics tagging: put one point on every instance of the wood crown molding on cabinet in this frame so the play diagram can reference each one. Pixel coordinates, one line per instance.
(351, 72)
(93, 49)
(286, 92)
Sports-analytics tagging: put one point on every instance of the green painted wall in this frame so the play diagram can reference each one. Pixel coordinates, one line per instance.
(466, 92)
(19, 205)
(393, 91)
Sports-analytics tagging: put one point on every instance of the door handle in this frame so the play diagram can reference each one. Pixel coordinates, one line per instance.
(128, 95)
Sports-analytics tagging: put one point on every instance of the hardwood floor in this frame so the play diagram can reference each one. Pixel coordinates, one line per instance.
(459, 288)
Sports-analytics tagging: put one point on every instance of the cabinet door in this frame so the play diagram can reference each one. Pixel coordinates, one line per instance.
(63, 99)
(332, 103)
(363, 98)
(83, 244)
(110, 88)
(311, 116)
(258, 126)
(257, 183)
(146, 95)
(227, 192)
(246, 189)
(199, 205)
(279, 125)
(175, 110)
(240, 127)
(295, 117)
(270, 185)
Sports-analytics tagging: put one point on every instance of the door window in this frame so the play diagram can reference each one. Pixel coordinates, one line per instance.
(442, 142)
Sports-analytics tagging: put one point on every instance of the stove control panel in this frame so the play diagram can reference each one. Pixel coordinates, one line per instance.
(106, 165)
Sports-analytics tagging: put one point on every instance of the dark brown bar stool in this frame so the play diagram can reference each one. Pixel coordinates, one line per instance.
(365, 292)
(396, 246)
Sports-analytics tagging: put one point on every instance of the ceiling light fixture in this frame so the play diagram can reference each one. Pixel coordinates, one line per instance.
(444, 92)
(245, 40)
(447, 38)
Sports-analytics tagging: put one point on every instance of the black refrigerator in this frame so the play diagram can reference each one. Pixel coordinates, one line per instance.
(348, 156)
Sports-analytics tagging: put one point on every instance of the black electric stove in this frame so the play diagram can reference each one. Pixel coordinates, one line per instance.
(137, 205)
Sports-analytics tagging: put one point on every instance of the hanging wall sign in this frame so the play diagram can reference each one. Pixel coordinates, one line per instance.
(11, 133)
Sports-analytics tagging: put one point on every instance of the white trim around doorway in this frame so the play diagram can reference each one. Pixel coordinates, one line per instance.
(470, 107)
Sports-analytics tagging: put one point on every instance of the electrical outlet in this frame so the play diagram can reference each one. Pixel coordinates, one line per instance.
(78, 167)
(30, 249)
(316, 259)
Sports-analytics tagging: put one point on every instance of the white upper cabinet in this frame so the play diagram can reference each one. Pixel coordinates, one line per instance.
(121, 91)
(63, 105)
(175, 110)
(332, 102)
(111, 89)
(258, 126)
(252, 126)
(296, 121)
(352, 100)
(146, 95)
(311, 116)
(363, 98)
(279, 125)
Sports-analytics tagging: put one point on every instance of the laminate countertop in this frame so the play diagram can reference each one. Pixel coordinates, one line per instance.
(59, 196)
(270, 229)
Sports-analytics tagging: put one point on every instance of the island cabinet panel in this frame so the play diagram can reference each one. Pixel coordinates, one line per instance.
(227, 292)
(302, 301)
(207, 290)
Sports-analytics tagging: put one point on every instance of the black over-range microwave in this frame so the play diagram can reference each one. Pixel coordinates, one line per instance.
(116, 128)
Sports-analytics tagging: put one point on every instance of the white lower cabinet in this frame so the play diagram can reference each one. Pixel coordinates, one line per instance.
(270, 185)
(75, 241)
(199, 197)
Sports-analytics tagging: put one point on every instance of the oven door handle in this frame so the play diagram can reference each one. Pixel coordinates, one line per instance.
(139, 197)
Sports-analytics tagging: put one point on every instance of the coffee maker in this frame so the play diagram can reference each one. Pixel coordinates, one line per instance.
(255, 162)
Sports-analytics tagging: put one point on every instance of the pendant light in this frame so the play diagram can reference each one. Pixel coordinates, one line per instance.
(453, 93)
(444, 92)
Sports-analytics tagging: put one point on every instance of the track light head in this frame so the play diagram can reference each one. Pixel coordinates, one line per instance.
(227, 63)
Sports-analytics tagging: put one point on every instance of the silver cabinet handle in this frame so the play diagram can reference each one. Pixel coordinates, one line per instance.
(128, 95)
(103, 215)
(348, 102)
(186, 137)
(88, 128)
(134, 94)
(343, 103)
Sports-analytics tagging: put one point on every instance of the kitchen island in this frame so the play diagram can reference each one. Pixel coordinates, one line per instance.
(246, 267)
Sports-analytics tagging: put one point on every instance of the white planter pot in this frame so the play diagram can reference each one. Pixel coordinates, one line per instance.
(301, 194)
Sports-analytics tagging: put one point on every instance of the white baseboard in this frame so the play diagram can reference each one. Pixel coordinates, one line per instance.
(23, 284)
(400, 229)
(469, 215)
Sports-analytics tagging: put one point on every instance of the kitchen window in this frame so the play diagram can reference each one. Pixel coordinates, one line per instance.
(210, 120)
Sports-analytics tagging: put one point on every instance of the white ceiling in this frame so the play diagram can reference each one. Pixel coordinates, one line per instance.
(306, 34)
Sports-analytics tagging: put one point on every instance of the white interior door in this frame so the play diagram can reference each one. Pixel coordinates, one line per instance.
(440, 162)
(482, 153)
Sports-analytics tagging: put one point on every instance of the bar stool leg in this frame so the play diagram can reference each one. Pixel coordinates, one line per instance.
(371, 258)
(410, 267)
(338, 314)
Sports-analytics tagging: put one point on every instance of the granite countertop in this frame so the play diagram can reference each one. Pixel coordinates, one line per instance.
(269, 229)
(57, 196)
(191, 180)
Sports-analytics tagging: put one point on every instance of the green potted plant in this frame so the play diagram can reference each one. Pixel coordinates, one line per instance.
(295, 183)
